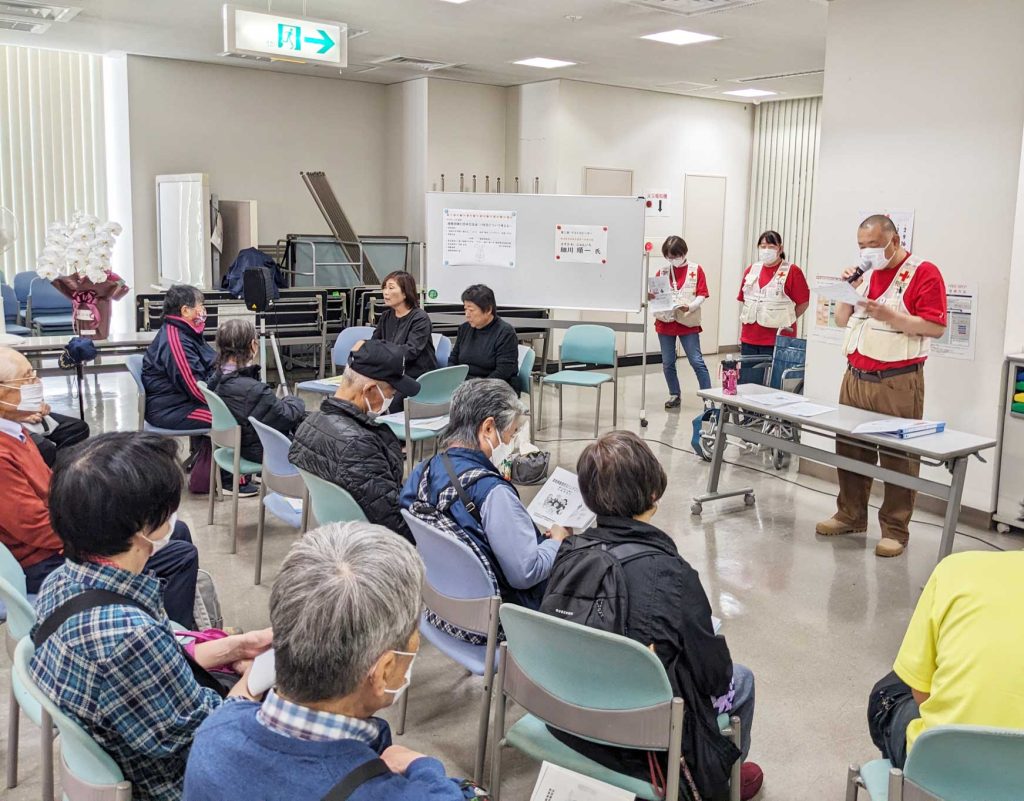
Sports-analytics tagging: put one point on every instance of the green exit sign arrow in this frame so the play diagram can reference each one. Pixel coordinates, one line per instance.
(299, 39)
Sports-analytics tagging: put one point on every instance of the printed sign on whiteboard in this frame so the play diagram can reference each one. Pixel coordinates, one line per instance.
(581, 244)
(658, 202)
(478, 238)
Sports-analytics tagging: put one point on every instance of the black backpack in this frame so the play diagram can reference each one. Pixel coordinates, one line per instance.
(587, 584)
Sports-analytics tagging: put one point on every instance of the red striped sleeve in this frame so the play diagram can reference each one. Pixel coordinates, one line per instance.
(181, 360)
(202, 415)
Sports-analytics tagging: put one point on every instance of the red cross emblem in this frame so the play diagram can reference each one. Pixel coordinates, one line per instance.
(904, 275)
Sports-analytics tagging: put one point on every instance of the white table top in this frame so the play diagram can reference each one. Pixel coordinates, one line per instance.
(948, 444)
(58, 342)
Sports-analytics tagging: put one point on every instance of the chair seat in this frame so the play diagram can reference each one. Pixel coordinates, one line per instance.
(173, 432)
(18, 330)
(531, 736)
(415, 434)
(577, 378)
(470, 656)
(52, 320)
(225, 458)
(876, 778)
(279, 507)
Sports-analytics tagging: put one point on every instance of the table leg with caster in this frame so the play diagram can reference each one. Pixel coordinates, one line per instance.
(713, 494)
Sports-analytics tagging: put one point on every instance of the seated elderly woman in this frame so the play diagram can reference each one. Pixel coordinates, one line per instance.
(110, 660)
(344, 609)
(485, 342)
(621, 481)
(237, 381)
(485, 417)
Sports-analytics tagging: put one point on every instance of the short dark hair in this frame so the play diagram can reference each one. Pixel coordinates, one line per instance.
(772, 238)
(181, 295)
(111, 487)
(482, 296)
(619, 475)
(674, 247)
(882, 221)
(407, 284)
(234, 342)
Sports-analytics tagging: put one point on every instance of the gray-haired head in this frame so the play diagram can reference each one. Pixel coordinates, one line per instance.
(346, 594)
(474, 402)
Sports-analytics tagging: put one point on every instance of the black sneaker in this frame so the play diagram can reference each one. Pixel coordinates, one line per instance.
(673, 402)
(247, 488)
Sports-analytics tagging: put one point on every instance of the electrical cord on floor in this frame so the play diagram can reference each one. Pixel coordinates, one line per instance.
(779, 477)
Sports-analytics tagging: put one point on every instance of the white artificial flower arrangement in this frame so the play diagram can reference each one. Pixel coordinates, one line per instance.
(81, 247)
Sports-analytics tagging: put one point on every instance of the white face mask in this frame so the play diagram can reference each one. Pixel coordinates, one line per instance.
(768, 255)
(374, 413)
(873, 258)
(500, 452)
(408, 674)
(31, 397)
(677, 262)
(160, 544)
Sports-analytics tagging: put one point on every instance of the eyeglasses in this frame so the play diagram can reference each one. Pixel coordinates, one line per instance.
(28, 379)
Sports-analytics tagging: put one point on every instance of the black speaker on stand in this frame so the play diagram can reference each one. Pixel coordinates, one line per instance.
(259, 294)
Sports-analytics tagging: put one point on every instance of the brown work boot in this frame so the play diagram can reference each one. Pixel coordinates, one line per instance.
(834, 526)
(887, 547)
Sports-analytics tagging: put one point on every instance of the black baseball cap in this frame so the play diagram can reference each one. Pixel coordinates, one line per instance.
(383, 361)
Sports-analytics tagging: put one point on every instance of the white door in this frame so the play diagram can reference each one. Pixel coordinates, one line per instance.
(704, 232)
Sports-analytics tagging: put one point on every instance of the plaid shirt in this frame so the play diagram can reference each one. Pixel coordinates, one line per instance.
(303, 723)
(121, 675)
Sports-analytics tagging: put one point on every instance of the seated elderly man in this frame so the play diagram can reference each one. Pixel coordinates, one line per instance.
(484, 510)
(110, 659)
(25, 527)
(342, 443)
(344, 610)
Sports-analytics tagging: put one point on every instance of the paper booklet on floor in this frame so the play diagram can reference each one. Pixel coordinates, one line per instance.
(561, 784)
(559, 502)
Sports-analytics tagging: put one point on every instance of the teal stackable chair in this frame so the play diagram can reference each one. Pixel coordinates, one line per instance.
(623, 698)
(343, 344)
(87, 773)
(586, 344)
(948, 763)
(527, 358)
(226, 437)
(433, 400)
(330, 503)
(279, 481)
(21, 616)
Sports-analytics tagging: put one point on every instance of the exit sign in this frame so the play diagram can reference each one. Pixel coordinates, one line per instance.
(257, 33)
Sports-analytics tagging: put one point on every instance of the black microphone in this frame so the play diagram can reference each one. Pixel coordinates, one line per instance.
(861, 269)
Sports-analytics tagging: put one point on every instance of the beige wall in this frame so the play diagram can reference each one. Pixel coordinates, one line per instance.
(252, 131)
(465, 133)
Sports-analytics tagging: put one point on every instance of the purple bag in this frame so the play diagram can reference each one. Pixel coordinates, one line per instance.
(199, 478)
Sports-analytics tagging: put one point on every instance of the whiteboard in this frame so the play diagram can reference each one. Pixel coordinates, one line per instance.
(538, 278)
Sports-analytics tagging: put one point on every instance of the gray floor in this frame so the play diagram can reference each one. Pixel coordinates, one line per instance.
(818, 621)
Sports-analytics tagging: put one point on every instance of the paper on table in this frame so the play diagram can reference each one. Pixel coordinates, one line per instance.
(774, 399)
(664, 298)
(556, 783)
(890, 425)
(807, 409)
(840, 291)
(429, 423)
(559, 502)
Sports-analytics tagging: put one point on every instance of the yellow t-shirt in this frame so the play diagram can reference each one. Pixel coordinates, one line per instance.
(965, 643)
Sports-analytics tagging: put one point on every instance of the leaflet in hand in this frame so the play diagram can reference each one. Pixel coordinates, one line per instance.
(840, 291)
(559, 502)
(429, 423)
(664, 297)
(263, 673)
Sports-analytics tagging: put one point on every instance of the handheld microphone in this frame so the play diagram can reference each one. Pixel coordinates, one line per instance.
(862, 268)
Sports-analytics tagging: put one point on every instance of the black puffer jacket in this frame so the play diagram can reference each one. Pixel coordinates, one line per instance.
(342, 445)
(246, 396)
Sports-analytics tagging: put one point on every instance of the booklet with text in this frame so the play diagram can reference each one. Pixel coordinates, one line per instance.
(559, 502)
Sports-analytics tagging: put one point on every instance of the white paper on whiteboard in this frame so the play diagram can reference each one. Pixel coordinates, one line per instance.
(478, 238)
(581, 244)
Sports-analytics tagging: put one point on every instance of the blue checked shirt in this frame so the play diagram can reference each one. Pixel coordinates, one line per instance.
(303, 723)
(121, 675)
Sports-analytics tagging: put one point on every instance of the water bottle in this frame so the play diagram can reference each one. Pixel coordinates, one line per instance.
(729, 372)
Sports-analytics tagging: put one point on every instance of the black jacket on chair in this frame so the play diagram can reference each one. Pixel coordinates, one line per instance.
(669, 609)
(246, 396)
(342, 445)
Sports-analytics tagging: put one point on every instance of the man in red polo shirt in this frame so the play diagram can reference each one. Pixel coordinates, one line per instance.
(887, 341)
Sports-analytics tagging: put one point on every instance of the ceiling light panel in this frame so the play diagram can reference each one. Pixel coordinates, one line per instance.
(680, 37)
(750, 93)
(545, 63)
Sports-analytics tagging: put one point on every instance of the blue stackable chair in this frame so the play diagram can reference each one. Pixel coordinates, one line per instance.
(949, 763)
(48, 312)
(442, 349)
(134, 365)
(22, 284)
(457, 588)
(20, 614)
(433, 400)
(279, 480)
(330, 503)
(12, 313)
(343, 344)
(623, 698)
(87, 772)
(588, 344)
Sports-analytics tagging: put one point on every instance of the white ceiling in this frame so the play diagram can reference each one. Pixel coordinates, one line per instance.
(484, 37)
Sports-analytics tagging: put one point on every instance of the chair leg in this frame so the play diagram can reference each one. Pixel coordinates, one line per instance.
(540, 405)
(615, 404)
(13, 719)
(261, 523)
(498, 733)
(597, 412)
(735, 775)
(46, 744)
(305, 512)
(559, 403)
(403, 706)
(214, 484)
(481, 739)
(852, 779)
(234, 512)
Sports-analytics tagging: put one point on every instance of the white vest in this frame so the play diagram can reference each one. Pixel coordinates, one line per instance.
(878, 340)
(683, 295)
(769, 305)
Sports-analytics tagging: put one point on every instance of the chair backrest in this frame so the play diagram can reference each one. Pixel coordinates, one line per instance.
(83, 758)
(590, 344)
(573, 676)
(346, 339)
(968, 763)
(45, 297)
(22, 284)
(329, 502)
(21, 615)
(527, 357)
(10, 303)
(134, 365)
(438, 386)
(442, 349)
(225, 431)
(280, 475)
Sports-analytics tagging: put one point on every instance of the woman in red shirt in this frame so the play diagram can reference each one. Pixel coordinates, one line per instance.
(774, 294)
(690, 288)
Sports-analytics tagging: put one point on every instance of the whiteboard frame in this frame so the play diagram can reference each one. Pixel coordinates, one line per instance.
(527, 284)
